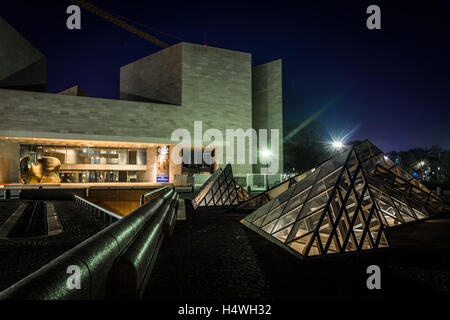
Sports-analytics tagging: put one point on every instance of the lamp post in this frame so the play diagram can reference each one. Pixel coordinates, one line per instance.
(438, 174)
(267, 154)
(422, 163)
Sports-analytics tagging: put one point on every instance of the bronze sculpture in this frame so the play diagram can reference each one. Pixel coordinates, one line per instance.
(46, 170)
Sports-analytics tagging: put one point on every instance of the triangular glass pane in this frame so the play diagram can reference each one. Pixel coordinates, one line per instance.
(352, 162)
(325, 230)
(304, 226)
(332, 165)
(268, 227)
(365, 244)
(258, 222)
(259, 212)
(297, 200)
(383, 242)
(359, 184)
(358, 229)
(315, 248)
(314, 205)
(301, 244)
(288, 218)
(283, 234)
(273, 214)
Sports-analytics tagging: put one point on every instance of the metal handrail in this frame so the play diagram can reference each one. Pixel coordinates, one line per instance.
(143, 196)
(97, 255)
(97, 209)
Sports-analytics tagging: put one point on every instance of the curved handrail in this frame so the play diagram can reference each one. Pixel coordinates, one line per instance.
(94, 258)
(145, 195)
(96, 207)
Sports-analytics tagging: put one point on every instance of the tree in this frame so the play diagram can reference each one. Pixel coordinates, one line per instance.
(432, 165)
(305, 148)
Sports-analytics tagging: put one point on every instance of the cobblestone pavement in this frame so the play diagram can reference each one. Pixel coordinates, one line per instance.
(209, 257)
(213, 256)
(20, 257)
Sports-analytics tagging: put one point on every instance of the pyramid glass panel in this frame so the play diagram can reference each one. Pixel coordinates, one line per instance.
(287, 219)
(282, 234)
(298, 199)
(306, 177)
(264, 197)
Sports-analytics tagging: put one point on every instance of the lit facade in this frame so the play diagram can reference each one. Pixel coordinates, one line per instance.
(160, 93)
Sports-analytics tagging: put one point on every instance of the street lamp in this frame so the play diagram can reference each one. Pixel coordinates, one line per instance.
(422, 163)
(337, 145)
(267, 154)
(439, 174)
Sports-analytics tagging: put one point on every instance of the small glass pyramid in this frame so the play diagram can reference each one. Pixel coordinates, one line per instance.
(220, 190)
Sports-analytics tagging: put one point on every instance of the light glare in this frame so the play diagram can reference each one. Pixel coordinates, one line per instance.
(266, 153)
(338, 144)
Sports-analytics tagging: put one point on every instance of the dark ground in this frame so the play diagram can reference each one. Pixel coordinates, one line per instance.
(213, 256)
(20, 257)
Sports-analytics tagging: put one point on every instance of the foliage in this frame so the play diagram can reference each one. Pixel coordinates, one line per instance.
(432, 165)
(306, 148)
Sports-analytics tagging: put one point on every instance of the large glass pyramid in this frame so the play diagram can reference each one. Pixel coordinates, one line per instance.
(220, 190)
(343, 206)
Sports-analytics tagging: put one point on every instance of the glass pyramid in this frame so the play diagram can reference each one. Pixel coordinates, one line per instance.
(220, 190)
(342, 206)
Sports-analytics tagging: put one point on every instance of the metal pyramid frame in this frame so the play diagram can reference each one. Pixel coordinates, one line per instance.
(220, 190)
(340, 207)
(264, 197)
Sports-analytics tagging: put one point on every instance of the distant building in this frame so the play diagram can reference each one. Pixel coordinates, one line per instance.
(108, 140)
(74, 91)
(22, 66)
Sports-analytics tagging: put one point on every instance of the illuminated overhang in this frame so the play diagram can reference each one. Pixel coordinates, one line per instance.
(85, 143)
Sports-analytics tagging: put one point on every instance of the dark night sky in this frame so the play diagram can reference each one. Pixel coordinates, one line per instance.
(391, 85)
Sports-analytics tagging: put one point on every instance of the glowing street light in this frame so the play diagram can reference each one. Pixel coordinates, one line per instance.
(337, 145)
(267, 154)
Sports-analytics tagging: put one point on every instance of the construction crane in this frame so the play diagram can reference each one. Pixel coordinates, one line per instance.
(109, 17)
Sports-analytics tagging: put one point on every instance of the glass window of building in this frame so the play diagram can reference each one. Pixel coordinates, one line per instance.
(132, 155)
(141, 157)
